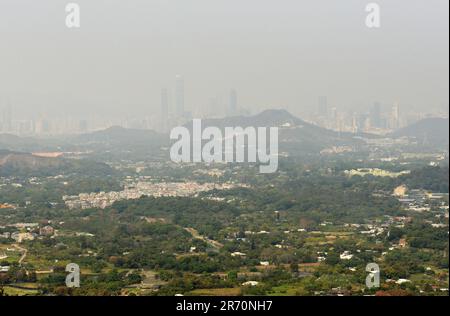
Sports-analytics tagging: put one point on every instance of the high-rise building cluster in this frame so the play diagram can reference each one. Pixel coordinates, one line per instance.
(378, 118)
(6, 121)
(176, 114)
(173, 113)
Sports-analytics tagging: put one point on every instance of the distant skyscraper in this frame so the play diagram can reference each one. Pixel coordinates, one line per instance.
(375, 115)
(164, 109)
(323, 106)
(395, 116)
(7, 118)
(355, 123)
(233, 102)
(42, 126)
(83, 126)
(179, 95)
(334, 113)
(334, 119)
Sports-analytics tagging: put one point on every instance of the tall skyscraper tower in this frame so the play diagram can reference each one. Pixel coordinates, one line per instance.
(179, 95)
(355, 123)
(164, 109)
(233, 102)
(375, 115)
(83, 126)
(395, 116)
(323, 106)
(7, 118)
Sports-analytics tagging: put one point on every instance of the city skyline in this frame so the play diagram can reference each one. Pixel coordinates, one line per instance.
(224, 152)
(50, 70)
(377, 118)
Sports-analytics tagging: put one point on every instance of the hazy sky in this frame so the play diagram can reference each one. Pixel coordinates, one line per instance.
(275, 53)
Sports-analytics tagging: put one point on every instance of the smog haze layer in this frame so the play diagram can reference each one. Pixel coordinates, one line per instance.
(275, 54)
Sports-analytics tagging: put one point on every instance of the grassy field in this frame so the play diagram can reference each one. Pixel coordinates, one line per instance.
(285, 290)
(21, 290)
(216, 292)
(13, 256)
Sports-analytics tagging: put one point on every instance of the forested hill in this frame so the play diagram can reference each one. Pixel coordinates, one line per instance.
(19, 163)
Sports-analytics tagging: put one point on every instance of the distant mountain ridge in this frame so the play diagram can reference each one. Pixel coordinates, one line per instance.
(16, 159)
(429, 131)
(19, 163)
(295, 135)
(265, 118)
(119, 136)
(14, 142)
(111, 138)
(116, 134)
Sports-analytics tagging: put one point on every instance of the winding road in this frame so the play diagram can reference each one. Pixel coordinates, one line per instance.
(24, 252)
(196, 235)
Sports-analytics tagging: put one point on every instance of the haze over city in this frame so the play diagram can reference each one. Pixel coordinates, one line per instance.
(224, 149)
(275, 55)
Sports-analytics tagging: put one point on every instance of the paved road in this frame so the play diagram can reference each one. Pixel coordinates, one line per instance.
(24, 254)
(195, 234)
